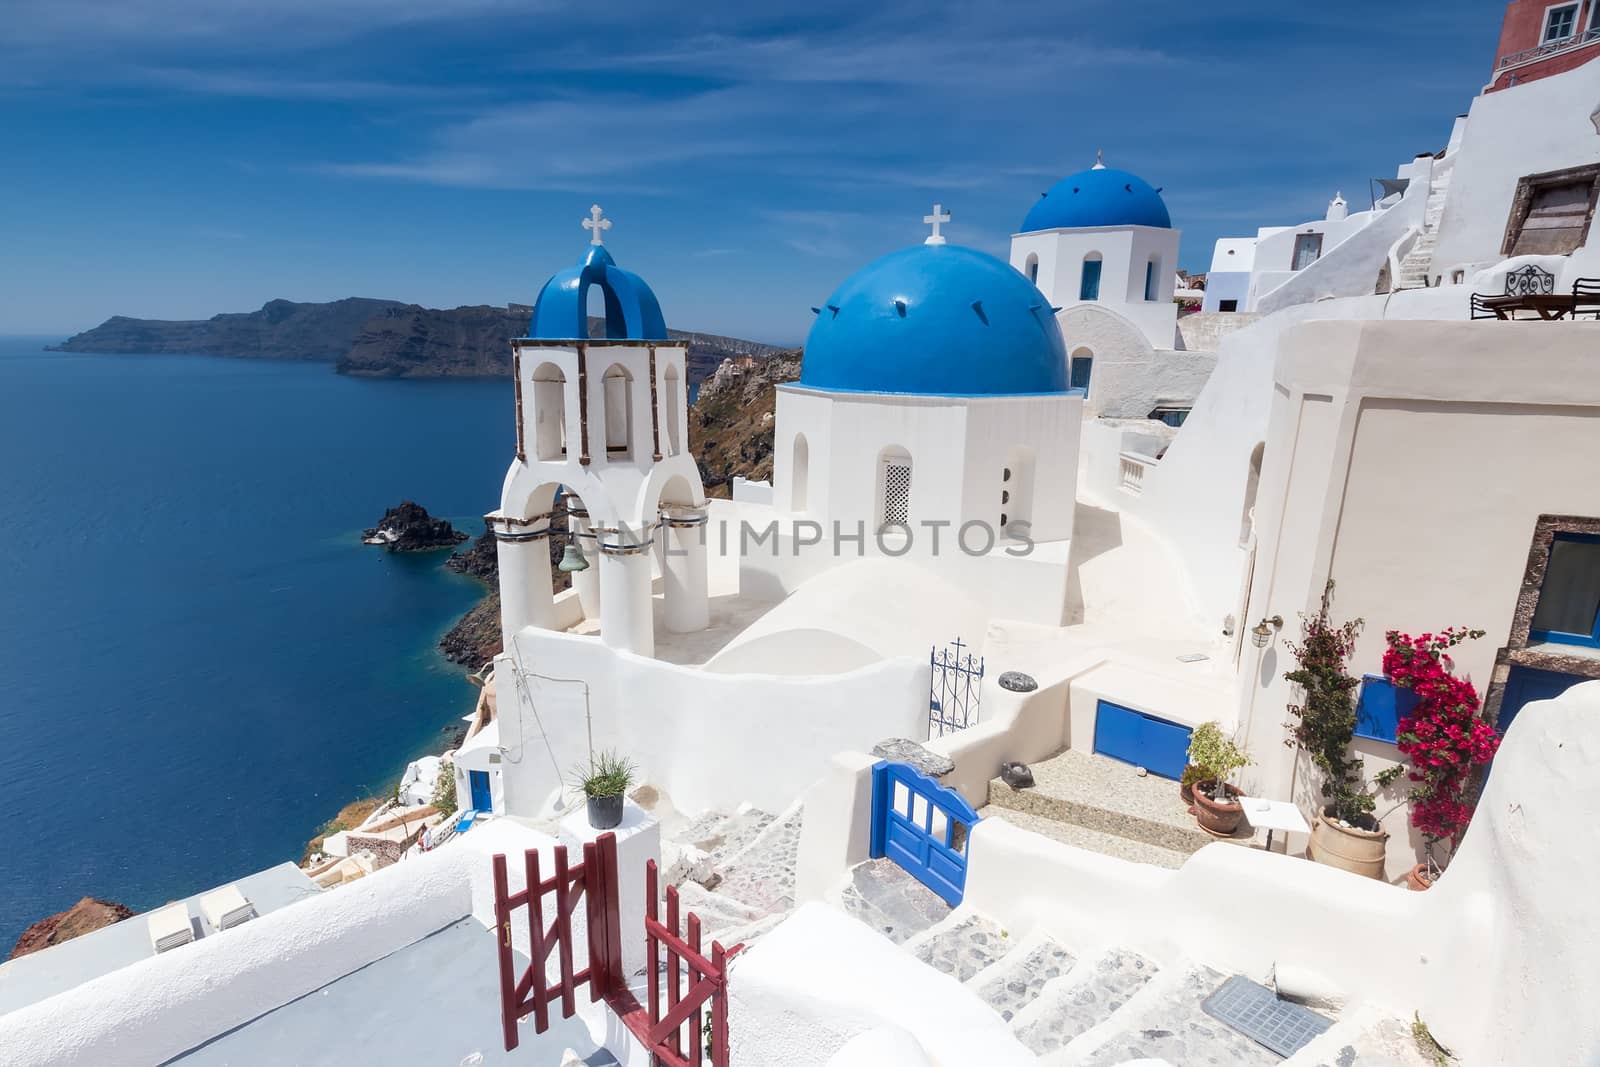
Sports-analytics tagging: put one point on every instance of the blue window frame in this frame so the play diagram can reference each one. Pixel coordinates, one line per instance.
(1089, 288)
(1381, 707)
(1568, 612)
(1082, 368)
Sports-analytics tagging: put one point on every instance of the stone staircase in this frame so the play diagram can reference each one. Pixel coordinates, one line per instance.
(1418, 262)
(735, 870)
(1105, 805)
(1095, 1005)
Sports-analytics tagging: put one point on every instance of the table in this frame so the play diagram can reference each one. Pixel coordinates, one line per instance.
(1270, 815)
(1548, 306)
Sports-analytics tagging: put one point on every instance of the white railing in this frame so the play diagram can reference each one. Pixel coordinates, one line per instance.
(1133, 467)
(1549, 48)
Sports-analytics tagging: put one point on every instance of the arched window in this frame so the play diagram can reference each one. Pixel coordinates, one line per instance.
(618, 387)
(672, 406)
(1247, 517)
(1152, 279)
(594, 324)
(549, 412)
(1032, 268)
(894, 488)
(1089, 285)
(799, 473)
(1081, 368)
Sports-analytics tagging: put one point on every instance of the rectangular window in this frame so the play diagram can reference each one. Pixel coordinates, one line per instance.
(1557, 220)
(1560, 22)
(1089, 288)
(1150, 281)
(1569, 601)
(1227, 305)
(1307, 249)
(896, 492)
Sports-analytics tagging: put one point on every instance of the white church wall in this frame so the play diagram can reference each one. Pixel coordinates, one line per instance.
(697, 735)
(1539, 126)
(1124, 252)
(1500, 418)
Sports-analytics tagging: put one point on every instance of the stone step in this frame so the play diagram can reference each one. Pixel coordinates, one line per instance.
(1094, 840)
(885, 897)
(1176, 1029)
(964, 947)
(1108, 796)
(761, 873)
(1092, 992)
(726, 838)
(1019, 978)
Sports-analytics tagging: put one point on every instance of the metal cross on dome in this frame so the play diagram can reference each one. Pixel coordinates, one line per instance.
(596, 225)
(939, 216)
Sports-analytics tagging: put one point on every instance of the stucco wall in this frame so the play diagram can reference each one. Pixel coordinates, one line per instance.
(706, 739)
(1347, 268)
(1124, 252)
(1529, 129)
(1413, 459)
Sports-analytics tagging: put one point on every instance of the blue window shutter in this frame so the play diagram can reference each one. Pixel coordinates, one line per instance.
(1381, 707)
(1090, 287)
(1159, 746)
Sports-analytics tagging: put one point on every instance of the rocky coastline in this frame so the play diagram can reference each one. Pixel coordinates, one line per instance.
(86, 916)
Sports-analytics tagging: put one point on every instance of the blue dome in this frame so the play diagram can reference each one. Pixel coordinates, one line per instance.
(562, 311)
(936, 320)
(1100, 196)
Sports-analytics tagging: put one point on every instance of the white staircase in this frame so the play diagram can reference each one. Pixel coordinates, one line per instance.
(745, 885)
(1417, 264)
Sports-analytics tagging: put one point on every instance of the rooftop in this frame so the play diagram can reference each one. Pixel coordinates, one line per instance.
(34, 977)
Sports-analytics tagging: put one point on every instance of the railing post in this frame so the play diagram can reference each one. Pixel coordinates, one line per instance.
(695, 1035)
(882, 790)
(652, 962)
(536, 943)
(719, 1007)
(502, 936)
(563, 931)
(594, 881)
(674, 969)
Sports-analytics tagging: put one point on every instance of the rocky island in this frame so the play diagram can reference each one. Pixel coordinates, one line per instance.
(409, 528)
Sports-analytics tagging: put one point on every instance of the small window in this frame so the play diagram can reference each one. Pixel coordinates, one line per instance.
(1307, 250)
(1151, 287)
(1560, 22)
(1089, 287)
(1568, 612)
(1551, 213)
(1227, 305)
(1172, 416)
(1082, 369)
(894, 488)
(1033, 269)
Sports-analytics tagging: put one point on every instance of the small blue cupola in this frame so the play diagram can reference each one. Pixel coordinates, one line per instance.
(562, 311)
(1099, 196)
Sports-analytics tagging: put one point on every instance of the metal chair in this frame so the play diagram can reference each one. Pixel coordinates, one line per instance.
(1482, 308)
(1586, 297)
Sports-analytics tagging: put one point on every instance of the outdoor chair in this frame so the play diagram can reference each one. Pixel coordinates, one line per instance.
(1586, 297)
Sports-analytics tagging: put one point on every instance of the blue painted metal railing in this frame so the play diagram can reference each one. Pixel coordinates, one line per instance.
(904, 827)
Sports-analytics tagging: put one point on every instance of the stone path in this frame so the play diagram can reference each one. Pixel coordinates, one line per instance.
(1098, 990)
(749, 883)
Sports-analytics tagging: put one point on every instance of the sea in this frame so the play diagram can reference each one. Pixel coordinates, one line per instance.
(200, 662)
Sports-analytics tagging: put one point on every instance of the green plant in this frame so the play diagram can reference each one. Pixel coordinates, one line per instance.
(606, 775)
(1215, 756)
(1192, 775)
(444, 788)
(1427, 1044)
(1325, 720)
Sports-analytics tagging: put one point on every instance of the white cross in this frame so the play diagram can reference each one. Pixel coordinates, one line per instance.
(596, 225)
(940, 215)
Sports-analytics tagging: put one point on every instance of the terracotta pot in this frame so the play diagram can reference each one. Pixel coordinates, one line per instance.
(1218, 817)
(1348, 848)
(1186, 791)
(1418, 879)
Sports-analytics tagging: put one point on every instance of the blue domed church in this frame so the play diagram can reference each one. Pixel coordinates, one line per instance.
(934, 396)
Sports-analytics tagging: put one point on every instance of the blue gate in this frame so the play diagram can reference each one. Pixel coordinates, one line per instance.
(954, 689)
(923, 826)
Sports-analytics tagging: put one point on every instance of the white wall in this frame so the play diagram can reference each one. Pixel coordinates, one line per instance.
(1354, 251)
(1410, 461)
(1541, 126)
(706, 739)
(1124, 251)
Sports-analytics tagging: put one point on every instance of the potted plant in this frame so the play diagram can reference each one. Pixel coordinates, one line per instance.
(1217, 759)
(605, 783)
(1345, 834)
(1443, 739)
(1191, 775)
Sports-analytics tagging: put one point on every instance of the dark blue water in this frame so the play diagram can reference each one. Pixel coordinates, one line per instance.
(199, 661)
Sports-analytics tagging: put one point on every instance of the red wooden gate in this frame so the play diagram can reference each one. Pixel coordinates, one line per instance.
(659, 1028)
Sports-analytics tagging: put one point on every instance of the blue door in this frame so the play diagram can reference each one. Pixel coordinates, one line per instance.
(482, 799)
(1159, 746)
(1525, 685)
(915, 822)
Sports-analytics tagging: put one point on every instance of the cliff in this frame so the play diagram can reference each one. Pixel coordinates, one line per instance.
(86, 916)
(282, 329)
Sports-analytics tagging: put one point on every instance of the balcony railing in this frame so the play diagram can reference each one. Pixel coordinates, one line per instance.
(1131, 474)
(1549, 48)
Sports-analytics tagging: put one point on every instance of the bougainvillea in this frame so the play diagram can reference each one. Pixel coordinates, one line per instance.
(1443, 737)
(1325, 721)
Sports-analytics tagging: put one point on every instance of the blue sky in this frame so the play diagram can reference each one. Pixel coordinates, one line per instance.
(177, 158)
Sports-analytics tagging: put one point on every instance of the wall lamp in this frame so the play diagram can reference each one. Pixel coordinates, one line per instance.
(1262, 631)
